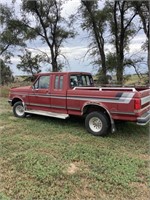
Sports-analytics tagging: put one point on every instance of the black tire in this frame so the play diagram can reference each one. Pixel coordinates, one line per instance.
(18, 110)
(97, 123)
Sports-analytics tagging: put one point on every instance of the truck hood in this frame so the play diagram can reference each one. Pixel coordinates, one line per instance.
(20, 89)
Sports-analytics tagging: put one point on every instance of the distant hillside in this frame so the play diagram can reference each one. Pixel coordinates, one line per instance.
(129, 80)
(135, 80)
(22, 78)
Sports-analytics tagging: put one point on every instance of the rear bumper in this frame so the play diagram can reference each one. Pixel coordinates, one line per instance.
(144, 119)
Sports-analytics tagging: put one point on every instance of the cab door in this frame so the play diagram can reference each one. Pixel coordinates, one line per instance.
(39, 97)
(58, 94)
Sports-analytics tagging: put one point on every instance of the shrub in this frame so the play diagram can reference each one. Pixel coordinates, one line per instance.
(4, 91)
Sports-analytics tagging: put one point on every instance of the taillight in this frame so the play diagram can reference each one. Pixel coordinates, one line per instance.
(137, 104)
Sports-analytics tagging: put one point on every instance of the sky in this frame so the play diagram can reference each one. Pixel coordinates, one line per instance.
(75, 49)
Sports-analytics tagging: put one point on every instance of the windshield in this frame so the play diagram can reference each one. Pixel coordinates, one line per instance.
(81, 80)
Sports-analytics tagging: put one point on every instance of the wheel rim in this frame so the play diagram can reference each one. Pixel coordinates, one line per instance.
(95, 124)
(20, 110)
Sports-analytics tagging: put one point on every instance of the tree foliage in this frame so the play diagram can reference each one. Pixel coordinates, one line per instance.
(12, 31)
(5, 73)
(143, 8)
(29, 63)
(122, 30)
(113, 24)
(49, 25)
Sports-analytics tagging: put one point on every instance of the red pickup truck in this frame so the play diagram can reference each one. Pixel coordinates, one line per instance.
(62, 94)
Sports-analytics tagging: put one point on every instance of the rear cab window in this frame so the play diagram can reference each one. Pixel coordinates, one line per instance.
(58, 85)
(81, 80)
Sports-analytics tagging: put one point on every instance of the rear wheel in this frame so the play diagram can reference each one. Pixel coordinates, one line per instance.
(97, 123)
(18, 109)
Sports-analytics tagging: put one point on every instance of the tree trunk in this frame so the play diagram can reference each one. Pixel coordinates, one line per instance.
(120, 62)
(119, 75)
(54, 66)
(148, 36)
(104, 69)
(120, 37)
(54, 60)
(148, 62)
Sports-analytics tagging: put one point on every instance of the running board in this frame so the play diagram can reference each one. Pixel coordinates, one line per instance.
(46, 113)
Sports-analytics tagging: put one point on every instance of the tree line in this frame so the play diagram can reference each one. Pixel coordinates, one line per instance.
(113, 23)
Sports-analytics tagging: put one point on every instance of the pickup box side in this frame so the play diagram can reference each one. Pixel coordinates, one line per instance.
(120, 104)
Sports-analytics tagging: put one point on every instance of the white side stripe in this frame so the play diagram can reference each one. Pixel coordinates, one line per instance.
(145, 100)
(126, 97)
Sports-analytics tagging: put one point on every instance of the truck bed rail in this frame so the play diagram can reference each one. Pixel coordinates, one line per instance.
(105, 88)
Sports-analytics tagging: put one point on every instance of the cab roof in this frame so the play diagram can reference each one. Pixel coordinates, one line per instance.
(54, 73)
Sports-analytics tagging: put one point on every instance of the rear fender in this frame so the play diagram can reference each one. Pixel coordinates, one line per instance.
(100, 106)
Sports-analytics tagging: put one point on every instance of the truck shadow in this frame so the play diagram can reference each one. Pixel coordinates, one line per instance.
(71, 122)
(76, 124)
(130, 129)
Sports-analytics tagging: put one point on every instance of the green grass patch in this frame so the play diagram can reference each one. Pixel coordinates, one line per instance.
(47, 158)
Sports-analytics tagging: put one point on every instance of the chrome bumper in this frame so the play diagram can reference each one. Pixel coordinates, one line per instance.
(144, 119)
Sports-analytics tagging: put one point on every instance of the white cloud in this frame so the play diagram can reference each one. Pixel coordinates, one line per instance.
(70, 7)
(15, 59)
(136, 43)
(72, 52)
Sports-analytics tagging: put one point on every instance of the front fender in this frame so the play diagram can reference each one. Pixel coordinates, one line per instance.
(16, 99)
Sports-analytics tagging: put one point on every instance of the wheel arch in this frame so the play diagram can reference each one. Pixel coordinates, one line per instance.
(16, 99)
(91, 107)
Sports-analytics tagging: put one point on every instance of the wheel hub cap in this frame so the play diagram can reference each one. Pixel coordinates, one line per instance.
(20, 110)
(95, 124)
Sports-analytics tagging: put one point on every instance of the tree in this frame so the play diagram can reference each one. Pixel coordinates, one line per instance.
(94, 21)
(142, 8)
(5, 73)
(12, 31)
(29, 63)
(122, 29)
(47, 24)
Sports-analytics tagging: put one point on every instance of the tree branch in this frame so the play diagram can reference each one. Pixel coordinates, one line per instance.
(4, 49)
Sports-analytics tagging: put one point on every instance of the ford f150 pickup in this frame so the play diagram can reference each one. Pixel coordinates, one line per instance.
(62, 94)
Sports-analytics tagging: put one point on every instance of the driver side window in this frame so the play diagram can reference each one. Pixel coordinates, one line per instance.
(42, 82)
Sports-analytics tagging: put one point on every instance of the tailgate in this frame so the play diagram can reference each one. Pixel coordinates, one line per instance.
(144, 112)
(145, 98)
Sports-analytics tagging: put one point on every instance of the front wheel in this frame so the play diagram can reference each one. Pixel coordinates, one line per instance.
(18, 109)
(97, 123)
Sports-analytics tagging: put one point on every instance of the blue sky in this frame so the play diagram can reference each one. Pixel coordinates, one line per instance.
(75, 49)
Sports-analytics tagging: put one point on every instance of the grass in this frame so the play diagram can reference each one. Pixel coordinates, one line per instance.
(47, 158)
(4, 91)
